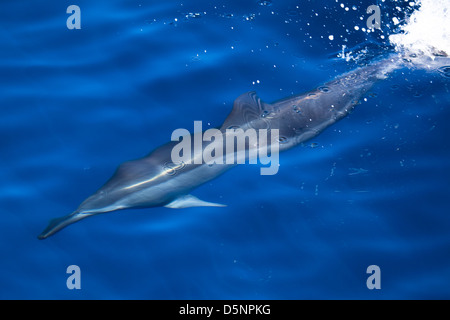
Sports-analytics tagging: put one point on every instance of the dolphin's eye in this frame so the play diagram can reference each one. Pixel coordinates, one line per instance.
(282, 139)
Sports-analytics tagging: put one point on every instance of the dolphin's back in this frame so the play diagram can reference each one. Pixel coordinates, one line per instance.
(302, 117)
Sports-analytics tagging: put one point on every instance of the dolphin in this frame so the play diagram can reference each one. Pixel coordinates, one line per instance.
(155, 180)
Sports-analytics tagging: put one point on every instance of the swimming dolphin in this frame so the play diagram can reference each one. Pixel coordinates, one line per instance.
(155, 180)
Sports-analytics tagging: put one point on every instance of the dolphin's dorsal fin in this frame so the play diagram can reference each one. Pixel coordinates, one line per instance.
(247, 107)
(189, 200)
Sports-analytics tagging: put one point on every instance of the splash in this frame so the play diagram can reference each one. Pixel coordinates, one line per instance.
(426, 31)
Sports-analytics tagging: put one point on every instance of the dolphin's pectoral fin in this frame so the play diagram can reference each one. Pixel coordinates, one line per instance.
(58, 223)
(247, 107)
(189, 200)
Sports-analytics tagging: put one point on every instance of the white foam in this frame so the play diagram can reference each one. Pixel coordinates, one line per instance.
(426, 31)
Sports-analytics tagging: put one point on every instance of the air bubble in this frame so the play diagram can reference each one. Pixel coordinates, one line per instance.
(227, 15)
(297, 109)
(194, 15)
(444, 71)
(249, 17)
(351, 76)
(265, 2)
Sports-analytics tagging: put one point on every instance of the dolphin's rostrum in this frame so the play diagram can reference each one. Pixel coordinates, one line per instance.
(156, 181)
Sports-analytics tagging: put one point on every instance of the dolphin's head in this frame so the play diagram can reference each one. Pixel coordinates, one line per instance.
(146, 182)
(134, 184)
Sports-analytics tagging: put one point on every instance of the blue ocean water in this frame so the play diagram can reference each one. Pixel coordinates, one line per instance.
(371, 190)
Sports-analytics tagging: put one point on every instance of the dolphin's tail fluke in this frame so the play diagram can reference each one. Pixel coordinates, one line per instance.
(59, 223)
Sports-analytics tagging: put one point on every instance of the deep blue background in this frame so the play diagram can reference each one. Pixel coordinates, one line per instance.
(77, 103)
